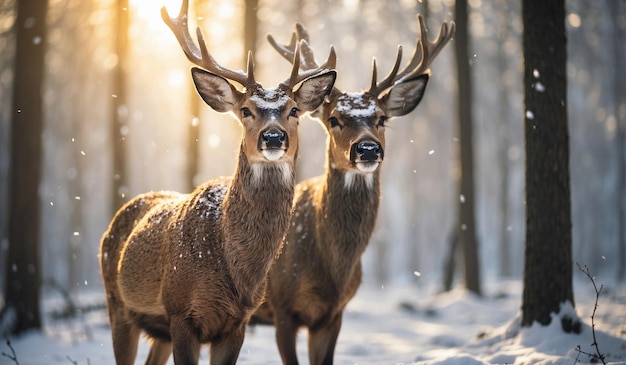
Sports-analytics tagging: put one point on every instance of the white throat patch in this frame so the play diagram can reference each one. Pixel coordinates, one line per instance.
(351, 178)
(259, 169)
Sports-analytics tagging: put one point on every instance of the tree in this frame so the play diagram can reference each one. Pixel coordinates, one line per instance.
(464, 233)
(119, 112)
(548, 253)
(23, 268)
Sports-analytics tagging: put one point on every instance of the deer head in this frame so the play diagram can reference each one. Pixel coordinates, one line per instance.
(355, 122)
(269, 116)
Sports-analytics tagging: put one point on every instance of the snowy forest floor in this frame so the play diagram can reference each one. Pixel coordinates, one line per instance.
(384, 325)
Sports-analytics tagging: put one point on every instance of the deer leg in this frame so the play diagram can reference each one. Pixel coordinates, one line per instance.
(125, 339)
(322, 342)
(226, 349)
(159, 352)
(185, 344)
(286, 333)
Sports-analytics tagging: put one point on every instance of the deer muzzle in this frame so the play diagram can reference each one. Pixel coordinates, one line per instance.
(366, 155)
(273, 143)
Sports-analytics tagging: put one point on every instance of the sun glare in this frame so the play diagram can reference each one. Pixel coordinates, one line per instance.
(149, 11)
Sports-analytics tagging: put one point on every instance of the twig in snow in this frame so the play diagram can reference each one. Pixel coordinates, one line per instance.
(598, 355)
(13, 356)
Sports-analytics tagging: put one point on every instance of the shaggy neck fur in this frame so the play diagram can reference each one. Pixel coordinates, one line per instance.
(350, 202)
(257, 207)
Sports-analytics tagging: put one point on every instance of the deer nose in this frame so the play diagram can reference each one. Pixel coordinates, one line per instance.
(367, 150)
(273, 138)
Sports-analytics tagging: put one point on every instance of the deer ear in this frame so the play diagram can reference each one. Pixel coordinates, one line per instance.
(313, 90)
(405, 96)
(215, 90)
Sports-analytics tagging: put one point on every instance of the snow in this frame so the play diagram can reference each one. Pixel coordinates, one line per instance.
(270, 98)
(356, 105)
(412, 324)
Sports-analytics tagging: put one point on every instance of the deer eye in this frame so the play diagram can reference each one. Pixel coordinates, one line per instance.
(293, 112)
(381, 121)
(334, 122)
(245, 112)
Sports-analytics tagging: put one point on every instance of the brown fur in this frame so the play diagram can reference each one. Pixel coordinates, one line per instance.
(189, 269)
(319, 270)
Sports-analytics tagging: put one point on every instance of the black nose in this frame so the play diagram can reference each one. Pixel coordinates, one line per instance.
(273, 138)
(367, 150)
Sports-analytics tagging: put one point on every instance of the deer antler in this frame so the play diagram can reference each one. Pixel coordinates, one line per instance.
(201, 57)
(429, 50)
(307, 61)
(423, 55)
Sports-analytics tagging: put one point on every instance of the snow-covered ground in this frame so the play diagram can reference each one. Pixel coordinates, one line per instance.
(387, 326)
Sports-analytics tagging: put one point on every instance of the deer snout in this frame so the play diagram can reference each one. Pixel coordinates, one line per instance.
(366, 155)
(367, 151)
(274, 138)
(273, 143)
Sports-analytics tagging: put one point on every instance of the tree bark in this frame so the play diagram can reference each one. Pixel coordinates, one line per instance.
(119, 112)
(467, 218)
(23, 277)
(548, 256)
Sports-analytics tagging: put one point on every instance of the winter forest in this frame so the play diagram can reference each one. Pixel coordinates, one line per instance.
(111, 75)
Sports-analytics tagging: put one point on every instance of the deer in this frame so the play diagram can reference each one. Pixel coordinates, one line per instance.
(319, 269)
(190, 269)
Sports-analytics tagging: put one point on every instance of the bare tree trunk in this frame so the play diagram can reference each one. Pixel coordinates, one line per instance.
(617, 8)
(503, 129)
(467, 219)
(250, 27)
(193, 131)
(119, 114)
(548, 256)
(23, 277)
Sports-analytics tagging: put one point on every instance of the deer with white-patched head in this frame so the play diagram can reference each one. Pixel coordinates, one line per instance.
(319, 270)
(190, 269)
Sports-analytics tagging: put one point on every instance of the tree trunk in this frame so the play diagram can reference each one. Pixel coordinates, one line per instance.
(503, 134)
(617, 8)
(548, 256)
(193, 131)
(23, 277)
(250, 28)
(467, 219)
(119, 112)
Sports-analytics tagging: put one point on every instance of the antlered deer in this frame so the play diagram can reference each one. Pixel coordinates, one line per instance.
(189, 269)
(319, 270)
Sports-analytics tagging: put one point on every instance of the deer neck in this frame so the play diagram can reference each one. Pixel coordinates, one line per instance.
(257, 209)
(350, 204)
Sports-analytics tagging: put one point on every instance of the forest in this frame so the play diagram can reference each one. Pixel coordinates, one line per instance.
(113, 76)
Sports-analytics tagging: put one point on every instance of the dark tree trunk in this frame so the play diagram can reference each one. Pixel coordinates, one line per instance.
(250, 27)
(504, 260)
(193, 133)
(119, 113)
(617, 9)
(467, 220)
(548, 256)
(23, 277)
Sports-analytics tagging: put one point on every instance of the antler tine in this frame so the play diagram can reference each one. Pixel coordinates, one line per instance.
(426, 51)
(297, 63)
(378, 87)
(201, 57)
(307, 56)
(287, 51)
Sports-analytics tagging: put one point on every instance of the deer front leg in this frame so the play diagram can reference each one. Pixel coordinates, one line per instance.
(125, 339)
(186, 347)
(159, 353)
(286, 332)
(226, 350)
(322, 342)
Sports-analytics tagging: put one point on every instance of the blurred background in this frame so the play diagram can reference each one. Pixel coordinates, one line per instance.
(174, 142)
